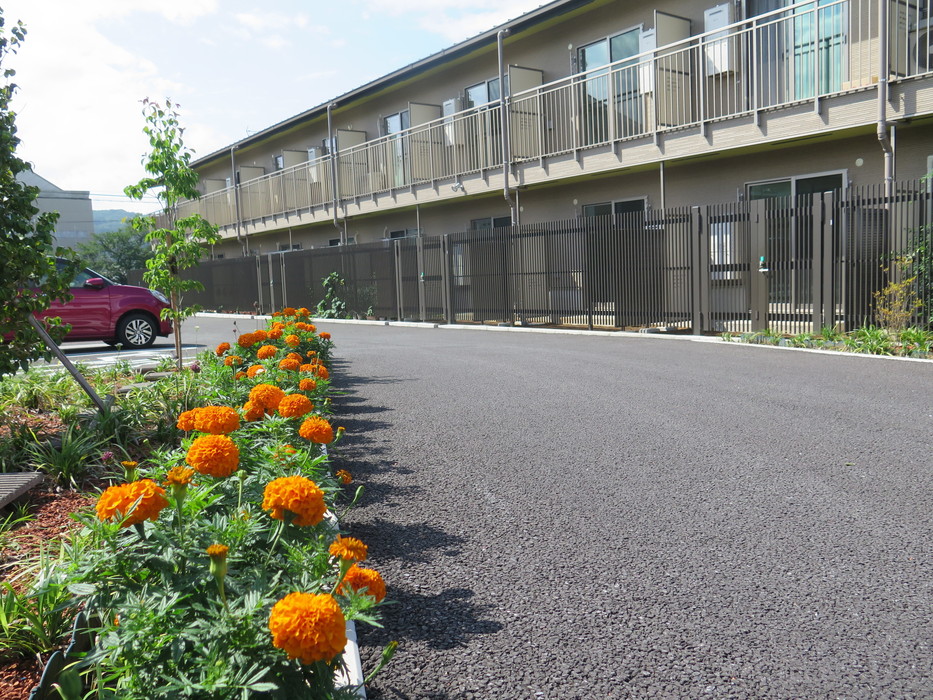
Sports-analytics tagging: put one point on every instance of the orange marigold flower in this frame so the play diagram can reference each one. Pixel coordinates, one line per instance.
(344, 476)
(277, 326)
(239, 375)
(297, 495)
(222, 348)
(266, 351)
(301, 325)
(217, 550)
(348, 548)
(306, 368)
(295, 405)
(216, 420)
(118, 501)
(311, 328)
(293, 356)
(312, 353)
(246, 340)
(359, 578)
(186, 420)
(289, 364)
(317, 429)
(307, 385)
(293, 340)
(260, 336)
(254, 370)
(309, 627)
(324, 335)
(253, 411)
(233, 360)
(179, 476)
(304, 311)
(214, 455)
(288, 311)
(266, 395)
(321, 371)
(275, 333)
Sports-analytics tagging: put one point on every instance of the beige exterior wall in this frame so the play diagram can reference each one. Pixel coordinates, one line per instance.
(76, 216)
(712, 162)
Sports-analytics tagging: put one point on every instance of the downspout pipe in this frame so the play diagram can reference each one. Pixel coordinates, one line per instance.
(332, 147)
(883, 72)
(505, 121)
(235, 184)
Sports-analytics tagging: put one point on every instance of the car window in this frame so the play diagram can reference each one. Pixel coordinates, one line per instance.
(82, 277)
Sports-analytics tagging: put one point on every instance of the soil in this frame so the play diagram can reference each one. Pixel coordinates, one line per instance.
(52, 509)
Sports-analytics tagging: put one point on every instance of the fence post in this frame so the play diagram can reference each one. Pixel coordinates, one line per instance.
(447, 280)
(759, 286)
(821, 267)
(699, 265)
(399, 291)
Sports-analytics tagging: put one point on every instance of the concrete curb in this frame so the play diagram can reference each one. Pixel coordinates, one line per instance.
(567, 331)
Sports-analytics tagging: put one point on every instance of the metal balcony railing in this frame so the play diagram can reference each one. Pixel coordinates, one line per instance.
(798, 54)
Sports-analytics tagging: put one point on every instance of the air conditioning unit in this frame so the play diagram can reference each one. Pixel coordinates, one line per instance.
(717, 56)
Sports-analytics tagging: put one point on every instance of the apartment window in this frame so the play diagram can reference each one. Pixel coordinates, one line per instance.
(804, 52)
(278, 162)
(618, 207)
(334, 242)
(796, 186)
(490, 222)
(626, 107)
(483, 93)
(403, 233)
(285, 247)
(397, 147)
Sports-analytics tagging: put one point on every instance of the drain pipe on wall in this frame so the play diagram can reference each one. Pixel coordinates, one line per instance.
(883, 137)
(332, 147)
(235, 184)
(504, 119)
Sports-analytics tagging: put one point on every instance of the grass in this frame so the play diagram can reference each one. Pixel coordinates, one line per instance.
(910, 342)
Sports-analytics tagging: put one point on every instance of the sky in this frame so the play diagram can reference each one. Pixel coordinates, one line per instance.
(233, 68)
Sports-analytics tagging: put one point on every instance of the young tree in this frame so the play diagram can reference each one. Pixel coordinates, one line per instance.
(179, 244)
(30, 279)
(115, 253)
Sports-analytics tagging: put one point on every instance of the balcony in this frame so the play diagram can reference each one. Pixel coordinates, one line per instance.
(802, 69)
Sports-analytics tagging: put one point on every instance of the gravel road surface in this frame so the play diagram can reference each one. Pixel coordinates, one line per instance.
(568, 516)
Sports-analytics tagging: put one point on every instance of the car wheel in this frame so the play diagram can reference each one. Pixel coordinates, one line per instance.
(136, 331)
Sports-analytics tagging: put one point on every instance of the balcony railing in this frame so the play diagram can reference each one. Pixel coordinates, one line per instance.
(798, 54)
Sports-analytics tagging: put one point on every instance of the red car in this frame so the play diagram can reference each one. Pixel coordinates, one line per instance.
(115, 313)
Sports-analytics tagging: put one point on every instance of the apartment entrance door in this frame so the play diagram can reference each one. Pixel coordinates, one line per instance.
(782, 240)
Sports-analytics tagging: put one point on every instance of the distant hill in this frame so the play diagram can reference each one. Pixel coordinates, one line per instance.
(106, 220)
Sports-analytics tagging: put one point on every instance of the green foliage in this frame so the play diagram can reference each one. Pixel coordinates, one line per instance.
(37, 618)
(331, 306)
(178, 245)
(115, 253)
(898, 302)
(67, 458)
(29, 278)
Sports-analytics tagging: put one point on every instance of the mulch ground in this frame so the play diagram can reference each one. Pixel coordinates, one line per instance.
(52, 509)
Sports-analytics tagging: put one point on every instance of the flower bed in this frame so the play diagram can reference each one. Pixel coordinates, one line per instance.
(216, 569)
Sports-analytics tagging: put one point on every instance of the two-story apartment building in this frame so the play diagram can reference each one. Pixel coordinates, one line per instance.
(589, 107)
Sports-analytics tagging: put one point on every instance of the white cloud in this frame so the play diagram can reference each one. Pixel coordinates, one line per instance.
(452, 19)
(78, 107)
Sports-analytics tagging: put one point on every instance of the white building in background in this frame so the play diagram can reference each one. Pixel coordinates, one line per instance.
(76, 217)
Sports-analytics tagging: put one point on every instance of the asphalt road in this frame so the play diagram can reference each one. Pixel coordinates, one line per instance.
(564, 516)
(570, 516)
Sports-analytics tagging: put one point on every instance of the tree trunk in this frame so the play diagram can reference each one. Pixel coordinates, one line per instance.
(176, 325)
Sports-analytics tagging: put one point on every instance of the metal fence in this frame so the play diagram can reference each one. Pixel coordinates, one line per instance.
(791, 265)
